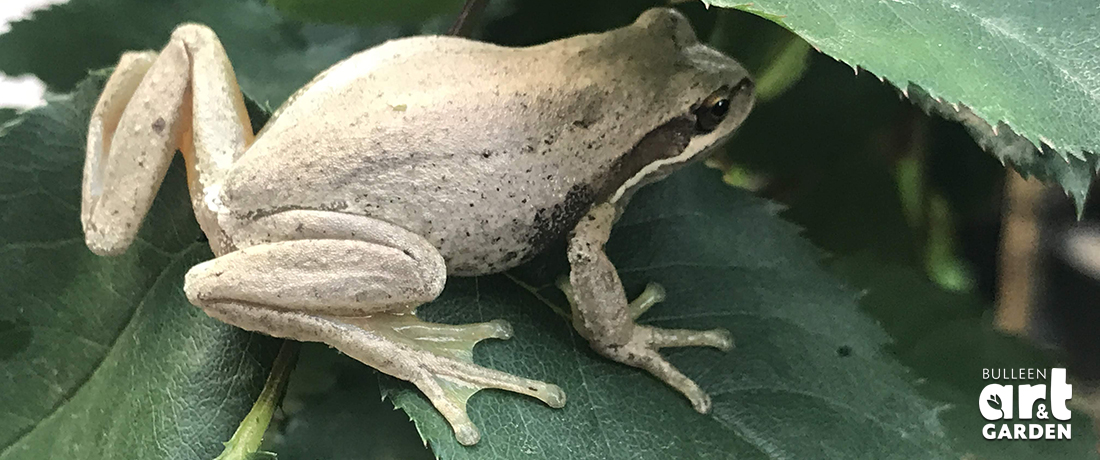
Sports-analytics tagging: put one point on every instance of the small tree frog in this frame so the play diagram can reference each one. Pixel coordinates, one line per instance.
(412, 161)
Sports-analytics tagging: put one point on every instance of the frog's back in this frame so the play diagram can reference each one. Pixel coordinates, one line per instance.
(485, 157)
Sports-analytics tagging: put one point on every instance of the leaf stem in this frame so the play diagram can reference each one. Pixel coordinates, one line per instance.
(250, 433)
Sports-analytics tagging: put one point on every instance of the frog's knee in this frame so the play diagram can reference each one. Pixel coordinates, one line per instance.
(189, 31)
(104, 240)
(434, 281)
(431, 266)
(198, 282)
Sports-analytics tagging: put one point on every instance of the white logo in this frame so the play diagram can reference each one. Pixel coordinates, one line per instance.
(1031, 402)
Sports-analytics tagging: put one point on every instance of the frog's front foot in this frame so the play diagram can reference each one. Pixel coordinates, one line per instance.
(641, 351)
(641, 347)
(602, 314)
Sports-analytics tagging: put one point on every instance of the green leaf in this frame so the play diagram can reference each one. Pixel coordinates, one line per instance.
(104, 357)
(947, 339)
(333, 411)
(1074, 174)
(6, 114)
(726, 261)
(1032, 65)
(819, 143)
(358, 11)
(272, 55)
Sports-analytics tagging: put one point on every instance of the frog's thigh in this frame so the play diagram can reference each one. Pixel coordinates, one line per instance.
(329, 277)
(323, 288)
(323, 262)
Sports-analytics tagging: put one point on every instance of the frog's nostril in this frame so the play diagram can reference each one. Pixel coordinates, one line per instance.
(745, 85)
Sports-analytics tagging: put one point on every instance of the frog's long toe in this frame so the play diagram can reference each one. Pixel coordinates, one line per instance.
(642, 352)
(653, 294)
(450, 385)
(454, 340)
(714, 338)
(447, 375)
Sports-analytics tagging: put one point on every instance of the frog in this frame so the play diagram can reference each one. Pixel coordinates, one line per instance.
(408, 163)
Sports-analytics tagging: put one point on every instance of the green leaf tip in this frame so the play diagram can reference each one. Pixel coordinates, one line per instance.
(1012, 63)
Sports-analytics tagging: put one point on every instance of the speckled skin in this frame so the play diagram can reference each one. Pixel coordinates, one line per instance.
(490, 154)
(404, 164)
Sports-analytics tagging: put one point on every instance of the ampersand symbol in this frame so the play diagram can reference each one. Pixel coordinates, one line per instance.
(1042, 412)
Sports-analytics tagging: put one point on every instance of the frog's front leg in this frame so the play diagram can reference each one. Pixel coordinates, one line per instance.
(352, 282)
(602, 314)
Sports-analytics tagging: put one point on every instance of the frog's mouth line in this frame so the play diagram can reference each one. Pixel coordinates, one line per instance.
(689, 150)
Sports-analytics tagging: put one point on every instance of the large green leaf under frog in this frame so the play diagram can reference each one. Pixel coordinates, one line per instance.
(104, 357)
(726, 261)
(1035, 66)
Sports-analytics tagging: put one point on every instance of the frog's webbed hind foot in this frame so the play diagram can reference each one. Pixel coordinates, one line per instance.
(352, 282)
(437, 358)
(444, 370)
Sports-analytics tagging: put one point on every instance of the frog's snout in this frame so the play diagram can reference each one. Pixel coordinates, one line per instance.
(746, 86)
(745, 91)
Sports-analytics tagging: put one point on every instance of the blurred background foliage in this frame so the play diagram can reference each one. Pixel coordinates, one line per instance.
(907, 205)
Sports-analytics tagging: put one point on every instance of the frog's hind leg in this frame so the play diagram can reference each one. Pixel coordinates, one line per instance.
(352, 282)
(185, 98)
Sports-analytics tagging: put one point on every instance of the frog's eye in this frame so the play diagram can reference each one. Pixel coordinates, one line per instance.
(712, 111)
